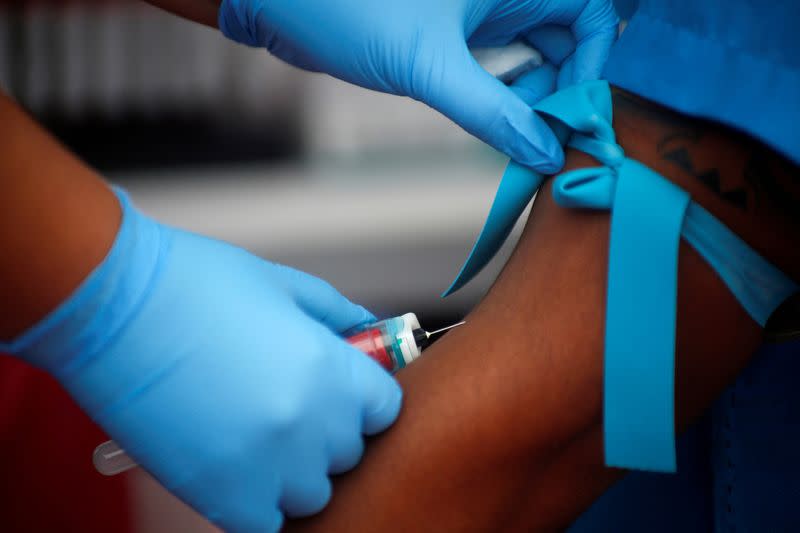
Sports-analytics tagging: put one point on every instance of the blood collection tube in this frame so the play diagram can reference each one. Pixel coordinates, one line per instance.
(393, 343)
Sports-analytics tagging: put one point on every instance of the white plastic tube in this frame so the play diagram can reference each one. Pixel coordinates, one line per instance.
(109, 459)
(506, 63)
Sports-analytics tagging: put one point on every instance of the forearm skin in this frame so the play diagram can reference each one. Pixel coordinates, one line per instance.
(57, 221)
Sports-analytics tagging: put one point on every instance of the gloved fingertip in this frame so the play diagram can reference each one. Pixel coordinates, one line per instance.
(347, 458)
(318, 499)
(536, 84)
(592, 52)
(382, 396)
(265, 519)
(552, 165)
(363, 316)
(308, 492)
(348, 317)
(536, 146)
(321, 300)
(385, 413)
(491, 111)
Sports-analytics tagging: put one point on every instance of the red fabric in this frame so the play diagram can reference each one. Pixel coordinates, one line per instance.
(47, 481)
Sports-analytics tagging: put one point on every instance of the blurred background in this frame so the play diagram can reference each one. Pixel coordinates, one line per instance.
(380, 195)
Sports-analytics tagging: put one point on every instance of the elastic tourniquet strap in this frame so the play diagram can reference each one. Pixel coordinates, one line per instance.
(649, 215)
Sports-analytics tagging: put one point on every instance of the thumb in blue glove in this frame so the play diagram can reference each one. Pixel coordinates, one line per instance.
(220, 373)
(419, 48)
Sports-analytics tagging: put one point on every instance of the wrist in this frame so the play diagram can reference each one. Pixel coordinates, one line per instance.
(73, 333)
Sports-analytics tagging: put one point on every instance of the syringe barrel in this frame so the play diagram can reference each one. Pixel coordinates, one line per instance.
(390, 342)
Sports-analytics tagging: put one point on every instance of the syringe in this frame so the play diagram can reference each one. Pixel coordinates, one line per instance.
(393, 343)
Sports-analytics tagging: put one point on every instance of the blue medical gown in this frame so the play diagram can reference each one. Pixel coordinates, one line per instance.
(736, 62)
(733, 61)
(738, 467)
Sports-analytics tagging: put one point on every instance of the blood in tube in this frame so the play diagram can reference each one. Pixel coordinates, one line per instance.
(371, 343)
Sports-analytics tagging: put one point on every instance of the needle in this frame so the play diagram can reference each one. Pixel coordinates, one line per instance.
(442, 330)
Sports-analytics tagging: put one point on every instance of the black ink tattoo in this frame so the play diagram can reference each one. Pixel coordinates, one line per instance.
(681, 157)
(768, 181)
(710, 178)
(675, 146)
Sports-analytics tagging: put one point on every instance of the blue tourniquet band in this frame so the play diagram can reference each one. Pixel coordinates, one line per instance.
(642, 270)
(649, 215)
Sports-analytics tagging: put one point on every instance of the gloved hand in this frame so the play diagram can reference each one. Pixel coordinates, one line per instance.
(419, 48)
(218, 372)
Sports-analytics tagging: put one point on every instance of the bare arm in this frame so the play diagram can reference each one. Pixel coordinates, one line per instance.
(57, 221)
(502, 423)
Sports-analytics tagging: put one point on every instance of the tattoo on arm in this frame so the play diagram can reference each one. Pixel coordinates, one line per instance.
(710, 177)
(765, 180)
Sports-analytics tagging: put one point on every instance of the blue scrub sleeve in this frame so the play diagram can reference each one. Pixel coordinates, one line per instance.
(736, 62)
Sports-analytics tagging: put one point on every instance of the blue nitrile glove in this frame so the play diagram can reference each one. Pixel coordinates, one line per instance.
(419, 48)
(218, 372)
